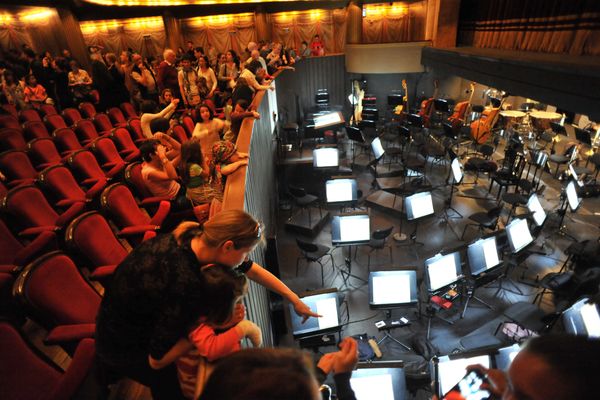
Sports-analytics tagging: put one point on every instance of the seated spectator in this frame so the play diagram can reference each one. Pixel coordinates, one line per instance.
(195, 173)
(150, 112)
(80, 83)
(218, 333)
(35, 94)
(281, 374)
(304, 51)
(238, 114)
(208, 130)
(225, 161)
(12, 90)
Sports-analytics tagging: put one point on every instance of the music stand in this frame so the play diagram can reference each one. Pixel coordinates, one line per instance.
(569, 199)
(349, 230)
(443, 272)
(583, 136)
(379, 380)
(378, 153)
(341, 192)
(326, 157)
(483, 259)
(326, 303)
(389, 290)
(356, 138)
(416, 206)
(453, 367)
(582, 318)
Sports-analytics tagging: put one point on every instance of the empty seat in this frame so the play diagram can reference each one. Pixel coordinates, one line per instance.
(103, 124)
(87, 170)
(86, 131)
(14, 255)
(9, 121)
(117, 118)
(35, 129)
(43, 153)
(60, 182)
(72, 116)
(33, 213)
(12, 139)
(188, 124)
(135, 128)
(107, 154)
(128, 110)
(27, 373)
(54, 122)
(127, 149)
(47, 109)
(91, 236)
(66, 141)
(87, 109)
(11, 109)
(132, 221)
(178, 132)
(29, 115)
(17, 168)
(57, 296)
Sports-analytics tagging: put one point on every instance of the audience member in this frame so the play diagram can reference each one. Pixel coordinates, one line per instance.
(188, 83)
(167, 74)
(238, 114)
(207, 72)
(119, 93)
(126, 65)
(63, 91)
(208, 130)
(35, 94)
(12, 90)
(242, 91)
(250, 73)
(80, 83)
(102, 81)
(149, 112)
(195, 173)
(317, 47)
(275, 374)
(225, 161)
(229, 71)
(157, 294)
(145, 79)
(218, 333)
(213, 56)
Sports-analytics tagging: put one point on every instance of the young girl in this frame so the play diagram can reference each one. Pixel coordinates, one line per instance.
(35, 94)
(219, 331)
(194, 172)
(225, 160)
(208, 129)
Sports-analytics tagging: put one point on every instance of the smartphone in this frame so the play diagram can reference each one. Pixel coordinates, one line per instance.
(469, 388)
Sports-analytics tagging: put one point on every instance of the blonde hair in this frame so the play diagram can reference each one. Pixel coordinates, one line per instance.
(235, 225)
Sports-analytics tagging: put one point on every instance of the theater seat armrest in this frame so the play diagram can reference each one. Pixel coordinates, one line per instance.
(137, 230)
(103, 272)
(36, 230)
(80, 367)
(96, 189)
(44, 241)
(70, 333)
(163, 210)
(71, 212)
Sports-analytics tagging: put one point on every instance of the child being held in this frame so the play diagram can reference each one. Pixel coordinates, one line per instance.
(219, 331)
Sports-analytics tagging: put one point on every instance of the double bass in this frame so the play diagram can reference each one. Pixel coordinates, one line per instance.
(460, 109)
(427, 105)
(481, 128)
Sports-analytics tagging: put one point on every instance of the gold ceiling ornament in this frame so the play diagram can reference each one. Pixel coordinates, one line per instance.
(164, 3)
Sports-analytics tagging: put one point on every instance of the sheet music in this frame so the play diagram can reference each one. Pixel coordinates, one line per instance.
(341, 191)
(391, 289)
(327, 308)
(490, 253)
(591, 320)
(354, 229)
(442, 272)
(422, 206)
(378, 387)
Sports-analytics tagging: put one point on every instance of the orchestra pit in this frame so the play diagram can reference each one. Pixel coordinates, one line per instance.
(184, 181)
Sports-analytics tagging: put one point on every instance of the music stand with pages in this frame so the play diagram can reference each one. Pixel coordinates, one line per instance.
(569, 199)
(453, 367)
(356, 138)
(443, 273)
(519, 238)
(483, 259)
(326, 157)
(341, 192)
(455, 175)
(349, 230)
(582, 318)
(314, 331)
(389, 290)
(383, 380)
(416, 206)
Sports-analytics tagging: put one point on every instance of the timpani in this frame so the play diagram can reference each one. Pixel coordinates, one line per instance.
(512, 117)
(540, 120)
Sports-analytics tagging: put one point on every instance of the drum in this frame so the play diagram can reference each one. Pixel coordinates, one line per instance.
(511, 117)
(540, 120)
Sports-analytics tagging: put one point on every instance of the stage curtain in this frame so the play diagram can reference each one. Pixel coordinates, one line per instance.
(145, 38)
(223, 32)
(550, 26)
(13, 35)
(292, 28)
(390, 24)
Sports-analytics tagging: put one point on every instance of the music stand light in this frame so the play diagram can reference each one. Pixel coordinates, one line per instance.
(535, 207)
(349, 230)
(389, 290)
(483, 258)
(326, 157)
(519, 236)
(341, 191)
(582, 318)
(416, 206)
